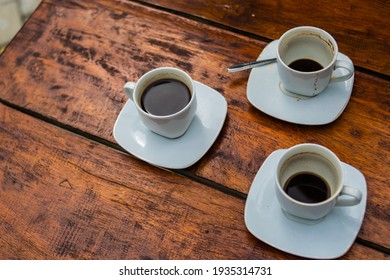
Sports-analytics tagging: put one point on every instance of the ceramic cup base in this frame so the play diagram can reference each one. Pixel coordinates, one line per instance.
(292, 94)
(302, 220)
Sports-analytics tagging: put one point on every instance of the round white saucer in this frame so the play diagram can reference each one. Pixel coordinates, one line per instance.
(134, 137)
(328, 239)
(264, 92)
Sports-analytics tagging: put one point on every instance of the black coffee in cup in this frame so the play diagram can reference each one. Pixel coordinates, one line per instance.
(165, 97)
(307, 188)
(305, 65)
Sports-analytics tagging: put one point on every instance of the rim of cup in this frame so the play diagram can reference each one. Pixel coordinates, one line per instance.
(331, 43)
(164, 69)
(286, 156)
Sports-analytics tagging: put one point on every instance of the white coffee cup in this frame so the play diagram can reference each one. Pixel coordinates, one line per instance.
(172, 125)
(321, 162)
(314, 44)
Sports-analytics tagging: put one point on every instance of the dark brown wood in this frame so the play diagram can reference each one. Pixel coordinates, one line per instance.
(360, 27)
(57, 201)
(68, 65)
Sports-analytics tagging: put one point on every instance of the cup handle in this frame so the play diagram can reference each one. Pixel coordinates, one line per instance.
(345, 65)
(355, 196)
(129, 89)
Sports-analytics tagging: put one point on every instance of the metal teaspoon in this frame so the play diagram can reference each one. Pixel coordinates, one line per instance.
(250, 65)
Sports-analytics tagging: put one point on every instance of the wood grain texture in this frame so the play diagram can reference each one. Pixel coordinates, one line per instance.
(359, 27)
(57, 201)
(70, 61)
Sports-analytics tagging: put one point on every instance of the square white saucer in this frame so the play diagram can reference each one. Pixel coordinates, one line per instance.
(134, 137)
(264, 93)
(328, 239)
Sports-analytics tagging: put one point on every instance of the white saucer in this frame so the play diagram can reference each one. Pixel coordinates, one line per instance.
(263, 92)
(177, 153)
(328, 239)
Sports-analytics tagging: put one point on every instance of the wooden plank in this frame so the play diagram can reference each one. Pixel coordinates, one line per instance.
(57, 201)
(360, 27)
(75, 76)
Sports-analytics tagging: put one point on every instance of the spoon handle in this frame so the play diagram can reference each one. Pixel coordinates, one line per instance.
(249, 65)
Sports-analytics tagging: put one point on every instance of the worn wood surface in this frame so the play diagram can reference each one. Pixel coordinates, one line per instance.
(57, 201)
(359, 27)
(71, 60)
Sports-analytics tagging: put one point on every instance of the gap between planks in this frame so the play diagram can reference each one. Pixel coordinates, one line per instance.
(240, 32)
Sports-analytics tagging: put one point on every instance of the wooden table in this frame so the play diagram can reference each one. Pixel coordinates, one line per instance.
(69, 191)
